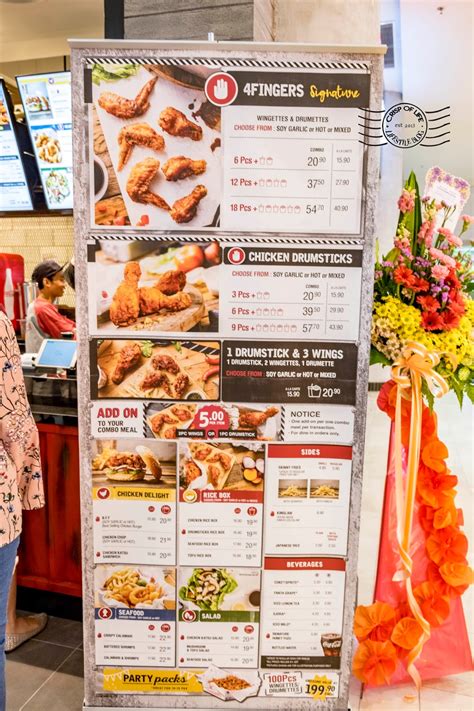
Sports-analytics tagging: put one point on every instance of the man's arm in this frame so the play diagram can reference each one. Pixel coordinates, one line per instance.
(51, 322)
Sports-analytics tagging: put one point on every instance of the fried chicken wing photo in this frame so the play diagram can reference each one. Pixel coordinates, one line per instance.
(181, 167)
(139, 180)
(185, 208)
(137, 134)
(153, 300)
(161, 361)
(181, 384)
(156, 379)
(191, 472)
(125, 307)
(171, 282)
(256, 419)
(129, 357)
(124, 108)
(176, 124)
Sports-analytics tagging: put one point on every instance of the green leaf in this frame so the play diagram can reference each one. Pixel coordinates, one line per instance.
(378, 357)
(458, 389)
(428, 395)
(470, 392)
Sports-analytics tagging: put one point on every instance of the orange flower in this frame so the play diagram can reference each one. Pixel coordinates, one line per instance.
(384, 402)
(435, 607)
(457, 575)
(425, 516)
(406, 633)
(433, 455)
(429, 423)
(447, 545)
(445, 516)
(434, 577)
(374, 622)
(435, 489)
(375, 662)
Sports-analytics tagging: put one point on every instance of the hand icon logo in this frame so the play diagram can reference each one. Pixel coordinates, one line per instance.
(221, 90)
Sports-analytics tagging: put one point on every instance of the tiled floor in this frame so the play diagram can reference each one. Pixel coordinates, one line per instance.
(45, 674)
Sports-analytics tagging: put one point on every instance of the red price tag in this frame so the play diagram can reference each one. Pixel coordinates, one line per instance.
(212, 419)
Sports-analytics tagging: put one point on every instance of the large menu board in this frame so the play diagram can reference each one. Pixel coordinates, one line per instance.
(14, 191)
(224, 234)
(47, 103)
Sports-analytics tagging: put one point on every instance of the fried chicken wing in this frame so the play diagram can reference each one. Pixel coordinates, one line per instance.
(156, 379)
(182, 413)
(185, 208)
(170, 433)
(129, 357)
(124, 108)
(213, 474)
(256, 419)
(125, 306)
(171, 282)
(181, 167)
(176, 124)
(139, 180)
(181, 384)
(137, 134)
(161, 361)
(191, 472)
(153, 300)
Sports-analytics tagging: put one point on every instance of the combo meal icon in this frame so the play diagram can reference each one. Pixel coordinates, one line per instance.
(314, 390)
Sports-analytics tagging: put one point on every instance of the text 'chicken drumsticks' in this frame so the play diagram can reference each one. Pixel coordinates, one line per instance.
(175, 123)
(139, 180)
(185, 208)
(137, 134)
(124, 108)
(181, 167)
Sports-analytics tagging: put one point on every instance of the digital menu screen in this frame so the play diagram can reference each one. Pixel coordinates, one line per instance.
(14, 191)
(47, 102)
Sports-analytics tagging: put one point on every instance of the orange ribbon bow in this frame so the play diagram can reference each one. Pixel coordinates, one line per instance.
(414, 365)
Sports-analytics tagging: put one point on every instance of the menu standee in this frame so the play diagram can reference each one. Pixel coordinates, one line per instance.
(222, 412)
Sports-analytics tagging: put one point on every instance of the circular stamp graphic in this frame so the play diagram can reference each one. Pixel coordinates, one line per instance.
(404, 125)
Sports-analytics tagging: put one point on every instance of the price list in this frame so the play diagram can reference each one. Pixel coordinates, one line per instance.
(221, 528)
(140, 532)
(304, 293)
(307, 504)
(135, 637)
(215, 625)
(292, 169)
(303, 603)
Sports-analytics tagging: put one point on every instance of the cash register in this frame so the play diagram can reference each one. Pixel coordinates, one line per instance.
(50, 378)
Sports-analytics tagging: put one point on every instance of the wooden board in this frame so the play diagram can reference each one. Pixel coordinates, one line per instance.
(180, 321)
(191, 362)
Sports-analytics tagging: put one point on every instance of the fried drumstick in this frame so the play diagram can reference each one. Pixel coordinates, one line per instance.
(181, 167)
(129, 357)
(171, 282)
(153, 300)
(138, 183)
(185, 208)
(256, 419)
(125, 307)
(176, 124)
(124, 108)
(137, 134)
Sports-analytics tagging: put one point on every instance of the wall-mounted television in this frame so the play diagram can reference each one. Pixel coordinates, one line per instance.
(15, 194)
(46, 101)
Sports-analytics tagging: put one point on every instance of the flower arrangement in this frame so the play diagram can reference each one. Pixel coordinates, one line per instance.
(422, 323)
(390, 635)
(422, 291)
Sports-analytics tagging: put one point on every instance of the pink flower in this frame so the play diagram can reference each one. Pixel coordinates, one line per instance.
(451, 238)
(467, 219)
(445, 258)
(426, 232)
(406, 201)
(439, 271)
